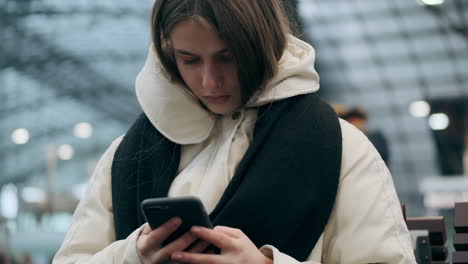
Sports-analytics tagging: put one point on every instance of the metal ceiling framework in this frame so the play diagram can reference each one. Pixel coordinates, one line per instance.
(383, 55)
(454, 14)
(66, 74)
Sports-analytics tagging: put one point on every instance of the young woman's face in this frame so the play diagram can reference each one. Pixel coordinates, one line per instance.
(207, 67)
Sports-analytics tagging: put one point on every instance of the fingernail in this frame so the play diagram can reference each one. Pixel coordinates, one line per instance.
(176, 221)
(177, 256)
(196, 229)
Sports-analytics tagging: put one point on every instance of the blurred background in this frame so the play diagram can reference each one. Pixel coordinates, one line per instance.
(396, 69)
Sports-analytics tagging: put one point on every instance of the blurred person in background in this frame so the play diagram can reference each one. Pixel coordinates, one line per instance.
(23, 258)
(231, 116)
(340, 109)
(4, 242)
(465, 154)
(4, 259)
(357, 116)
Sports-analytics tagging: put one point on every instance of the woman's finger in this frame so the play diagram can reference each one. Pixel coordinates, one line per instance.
(181, 243)
(232, 232)
(158, 235)
(196, 258)
(146, 229)
(199, 247)
(216, 238)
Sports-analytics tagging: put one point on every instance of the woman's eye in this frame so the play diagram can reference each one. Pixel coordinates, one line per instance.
(191, 61)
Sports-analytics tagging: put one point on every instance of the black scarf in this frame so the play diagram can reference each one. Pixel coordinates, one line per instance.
(283, 190)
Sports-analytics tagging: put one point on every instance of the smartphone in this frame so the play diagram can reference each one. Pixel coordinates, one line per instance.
(158, 211)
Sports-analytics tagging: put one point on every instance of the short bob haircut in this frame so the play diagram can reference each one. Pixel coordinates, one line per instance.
(254, 31)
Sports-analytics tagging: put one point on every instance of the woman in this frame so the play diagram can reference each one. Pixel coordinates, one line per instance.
(231, 116)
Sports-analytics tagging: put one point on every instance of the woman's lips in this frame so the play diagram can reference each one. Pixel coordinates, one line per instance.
(217, 99)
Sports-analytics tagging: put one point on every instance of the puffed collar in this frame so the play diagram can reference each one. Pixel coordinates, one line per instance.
(180, 118)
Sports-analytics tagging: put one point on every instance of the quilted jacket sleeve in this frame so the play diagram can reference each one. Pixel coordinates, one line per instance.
(91, 236)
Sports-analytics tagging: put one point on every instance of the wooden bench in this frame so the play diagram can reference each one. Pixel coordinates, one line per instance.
(460, 238)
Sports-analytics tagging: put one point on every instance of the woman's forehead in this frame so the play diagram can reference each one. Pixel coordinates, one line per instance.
(193, 37)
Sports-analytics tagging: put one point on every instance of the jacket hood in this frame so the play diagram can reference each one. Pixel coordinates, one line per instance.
(176, 113)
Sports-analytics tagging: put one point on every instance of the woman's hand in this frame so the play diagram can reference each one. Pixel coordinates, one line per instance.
(235, 247)
(149, 243)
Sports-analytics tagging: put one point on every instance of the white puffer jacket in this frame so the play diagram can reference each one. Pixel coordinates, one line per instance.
(366, 224)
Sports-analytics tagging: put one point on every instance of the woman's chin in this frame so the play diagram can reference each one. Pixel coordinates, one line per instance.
(219, 110)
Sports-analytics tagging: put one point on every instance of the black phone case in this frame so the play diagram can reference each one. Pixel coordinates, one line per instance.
(158, 211)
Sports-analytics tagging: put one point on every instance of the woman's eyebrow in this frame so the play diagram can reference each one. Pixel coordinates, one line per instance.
(184, 52)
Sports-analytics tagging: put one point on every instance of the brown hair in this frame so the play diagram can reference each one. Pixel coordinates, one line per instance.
(254, 31)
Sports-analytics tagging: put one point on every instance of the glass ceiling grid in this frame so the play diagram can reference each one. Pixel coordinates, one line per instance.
(405, 46)
(50, 65)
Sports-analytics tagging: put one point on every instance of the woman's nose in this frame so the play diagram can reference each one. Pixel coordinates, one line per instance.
(211, 77)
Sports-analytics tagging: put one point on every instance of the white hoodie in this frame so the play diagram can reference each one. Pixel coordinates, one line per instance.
(366, 224)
